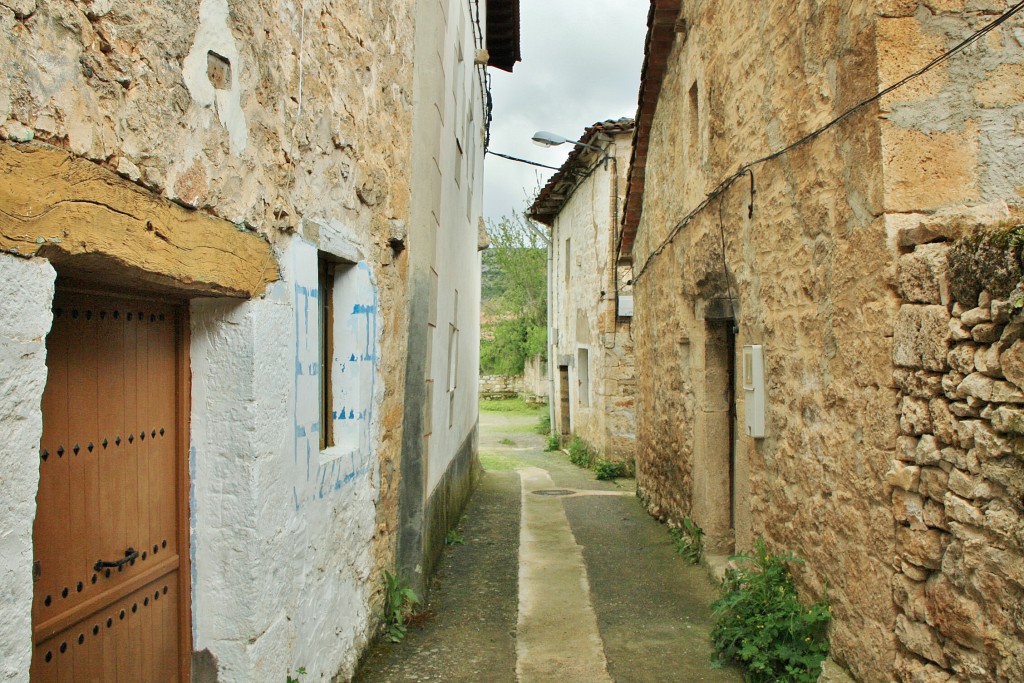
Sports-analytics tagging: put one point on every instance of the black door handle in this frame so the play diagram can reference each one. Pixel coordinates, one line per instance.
(129, 556)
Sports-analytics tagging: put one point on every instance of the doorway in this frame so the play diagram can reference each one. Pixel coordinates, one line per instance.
(715, 462)
(111, 568)
(563, 400)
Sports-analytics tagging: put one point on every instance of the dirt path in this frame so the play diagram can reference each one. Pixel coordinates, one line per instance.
(577, 587)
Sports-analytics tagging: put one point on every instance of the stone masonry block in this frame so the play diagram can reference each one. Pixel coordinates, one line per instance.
(933, 482)
(902, 476)
(925, 170)
(989, 389)
(920, 639)
(960, 510)
(1012, 363)
(921, 337)
(922, 274)
(1008, 419)
(915, 416)
(961, 358)
(943, 421)
(920, 547)
(908, 508)
(976, 316)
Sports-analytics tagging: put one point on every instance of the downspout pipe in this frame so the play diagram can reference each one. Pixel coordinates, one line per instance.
(552, 355)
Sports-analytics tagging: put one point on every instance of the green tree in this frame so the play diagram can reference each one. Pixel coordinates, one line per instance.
(514, 297)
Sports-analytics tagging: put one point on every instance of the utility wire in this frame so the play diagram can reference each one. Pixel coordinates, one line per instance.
(727, 183)
(522, 161)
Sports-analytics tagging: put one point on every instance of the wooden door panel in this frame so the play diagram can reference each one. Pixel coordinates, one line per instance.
(108, 572)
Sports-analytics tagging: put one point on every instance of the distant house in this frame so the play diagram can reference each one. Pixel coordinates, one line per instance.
(809, 358)
(238, 328)
(590, 357)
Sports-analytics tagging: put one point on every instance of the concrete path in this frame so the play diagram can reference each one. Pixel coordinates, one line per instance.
(570, 588)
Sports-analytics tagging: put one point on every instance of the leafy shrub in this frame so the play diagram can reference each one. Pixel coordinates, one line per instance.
(608, 469)
(553, 442)
(400, 602)
(689, 540)
(761, 623)
(544, 423)
(580, 453)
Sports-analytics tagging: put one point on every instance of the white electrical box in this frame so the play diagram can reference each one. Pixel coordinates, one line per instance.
(625, 305)
(753, 390)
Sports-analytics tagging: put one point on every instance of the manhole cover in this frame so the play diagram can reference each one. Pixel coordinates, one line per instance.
(553, 492)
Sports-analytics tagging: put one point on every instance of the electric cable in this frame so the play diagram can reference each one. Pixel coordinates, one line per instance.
(745, 168)
(522, 161)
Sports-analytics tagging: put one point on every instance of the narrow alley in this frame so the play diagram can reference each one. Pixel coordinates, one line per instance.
(553, 575)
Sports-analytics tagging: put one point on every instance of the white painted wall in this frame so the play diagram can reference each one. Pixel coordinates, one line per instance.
(282, 533)
(26, 297)
(456, 259)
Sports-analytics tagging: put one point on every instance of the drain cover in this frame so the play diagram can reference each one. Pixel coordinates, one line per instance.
(553, 492)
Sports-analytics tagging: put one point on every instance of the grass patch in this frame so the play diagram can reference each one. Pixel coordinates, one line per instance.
(506, 442)
(492, 462)
(515, 406)
(688, 540)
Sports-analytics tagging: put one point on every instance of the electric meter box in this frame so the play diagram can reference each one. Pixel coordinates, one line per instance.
(753, 390)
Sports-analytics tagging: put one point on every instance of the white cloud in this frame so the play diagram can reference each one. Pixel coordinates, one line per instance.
(581, 64)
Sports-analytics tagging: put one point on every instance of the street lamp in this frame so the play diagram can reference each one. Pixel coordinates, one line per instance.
(543, 138)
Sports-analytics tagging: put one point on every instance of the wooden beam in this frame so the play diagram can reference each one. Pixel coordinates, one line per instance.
(92, 223)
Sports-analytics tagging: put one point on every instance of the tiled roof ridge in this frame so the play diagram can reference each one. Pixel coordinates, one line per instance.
(661, 33)
(545, 207)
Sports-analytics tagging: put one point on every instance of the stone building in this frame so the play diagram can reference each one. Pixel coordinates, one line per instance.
(217, 224)
(590, 345)
(878, 442)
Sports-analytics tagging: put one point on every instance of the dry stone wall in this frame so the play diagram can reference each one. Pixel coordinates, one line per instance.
(957, 481)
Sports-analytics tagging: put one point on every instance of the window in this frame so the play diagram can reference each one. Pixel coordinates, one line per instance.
(326, 272)
(453, 361)
(568, 261)
(583, 373)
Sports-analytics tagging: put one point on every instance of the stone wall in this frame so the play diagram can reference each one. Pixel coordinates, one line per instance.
(501, 384)
(957, 480)
(802, 258)
(807, 274)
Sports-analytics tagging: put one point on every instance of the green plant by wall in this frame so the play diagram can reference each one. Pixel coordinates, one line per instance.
(553, 442)
(453, 537)
(400, 602)
(301, 671)
(544, 423)
(761, 623)
(580, 453)
(609, 469)
(985, 259)
(688, 540)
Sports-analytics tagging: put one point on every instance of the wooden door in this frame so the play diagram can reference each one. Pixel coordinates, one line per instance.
(111, 548)
(563, 400)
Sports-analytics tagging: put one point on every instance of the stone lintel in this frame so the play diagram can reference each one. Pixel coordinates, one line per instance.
(92, 224)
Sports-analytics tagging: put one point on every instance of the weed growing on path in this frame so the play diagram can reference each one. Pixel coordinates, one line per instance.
(400, 602)
(505, 441)
(689, 540)
(453, 537)
(544, 423)
(761, 623)
(608, 469)
(301, 671)
(553, 443)
(580, 453)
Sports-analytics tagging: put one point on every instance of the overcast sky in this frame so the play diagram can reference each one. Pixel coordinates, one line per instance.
(581, 64)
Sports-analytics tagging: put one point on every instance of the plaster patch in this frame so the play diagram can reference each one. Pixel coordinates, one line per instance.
(214, 35)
